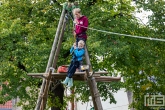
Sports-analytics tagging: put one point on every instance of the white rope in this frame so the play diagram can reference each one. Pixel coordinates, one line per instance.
(140, 37)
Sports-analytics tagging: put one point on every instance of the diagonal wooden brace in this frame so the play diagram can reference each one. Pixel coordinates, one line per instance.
(94, 91)
(45, 93)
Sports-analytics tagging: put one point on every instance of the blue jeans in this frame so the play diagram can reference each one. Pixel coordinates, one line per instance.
(72, 68)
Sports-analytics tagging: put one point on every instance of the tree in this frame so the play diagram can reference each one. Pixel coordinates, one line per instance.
(27, 29)
(153, 55)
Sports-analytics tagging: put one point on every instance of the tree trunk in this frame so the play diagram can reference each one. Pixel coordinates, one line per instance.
(58, 92)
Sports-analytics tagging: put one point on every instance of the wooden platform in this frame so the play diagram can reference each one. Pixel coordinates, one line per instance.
(81, 76)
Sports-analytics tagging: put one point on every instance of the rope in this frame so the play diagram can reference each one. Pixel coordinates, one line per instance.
(114, 33)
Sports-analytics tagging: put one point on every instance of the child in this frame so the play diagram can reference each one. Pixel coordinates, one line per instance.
(81, 27)
(77, 57)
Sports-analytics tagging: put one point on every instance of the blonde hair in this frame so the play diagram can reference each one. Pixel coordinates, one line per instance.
(76, 10)
(81, 42)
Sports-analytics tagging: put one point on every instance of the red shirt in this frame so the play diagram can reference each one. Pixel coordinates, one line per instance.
(81, 27)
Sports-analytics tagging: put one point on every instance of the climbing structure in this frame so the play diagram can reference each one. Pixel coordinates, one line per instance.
(88, 75)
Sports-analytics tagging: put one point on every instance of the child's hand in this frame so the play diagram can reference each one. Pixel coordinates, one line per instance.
(74, 45)
(74, 33)
(75, 21)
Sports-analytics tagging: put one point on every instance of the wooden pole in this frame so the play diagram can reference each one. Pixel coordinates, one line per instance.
(87, 58)
(94, 91)
(87, 72)
(72, 101)
(55, 57)
(43, 104)
(64, 74)
(129, 96)
(59, 44)
(50, 59)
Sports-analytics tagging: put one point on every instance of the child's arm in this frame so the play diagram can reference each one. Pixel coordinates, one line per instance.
(73, 47)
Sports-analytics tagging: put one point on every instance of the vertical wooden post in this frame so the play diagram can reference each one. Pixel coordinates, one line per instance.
(72, 101)
(129, 96)
(94, 91)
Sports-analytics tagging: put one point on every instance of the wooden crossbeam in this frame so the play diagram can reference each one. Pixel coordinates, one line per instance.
(79, 76)
(107, 78)
(64, 74)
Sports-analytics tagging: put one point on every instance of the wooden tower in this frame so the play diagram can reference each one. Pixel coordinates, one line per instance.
(91, 77)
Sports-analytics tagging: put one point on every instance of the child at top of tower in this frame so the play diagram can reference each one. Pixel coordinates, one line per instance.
(81, 25)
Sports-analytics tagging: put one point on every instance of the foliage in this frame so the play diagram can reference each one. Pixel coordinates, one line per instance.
(26, 30)
(152, 55)
(56, 102)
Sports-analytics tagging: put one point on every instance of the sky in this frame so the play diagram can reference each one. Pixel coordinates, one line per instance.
(143, 16)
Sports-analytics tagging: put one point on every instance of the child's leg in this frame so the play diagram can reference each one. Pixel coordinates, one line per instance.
(70, 83)
(67, 77)
(66, 81)
(71, 73)
(80, 64)
(72, 69)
